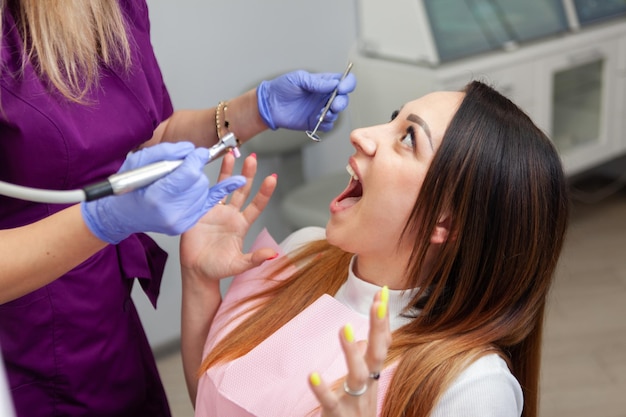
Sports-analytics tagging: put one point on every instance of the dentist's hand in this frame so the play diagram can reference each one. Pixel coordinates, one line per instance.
(295, 100)
(170, 205)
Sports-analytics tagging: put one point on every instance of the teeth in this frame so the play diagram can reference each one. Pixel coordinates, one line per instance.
(351, 172)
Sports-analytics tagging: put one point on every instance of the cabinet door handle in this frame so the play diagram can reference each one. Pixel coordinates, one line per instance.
(586, 57)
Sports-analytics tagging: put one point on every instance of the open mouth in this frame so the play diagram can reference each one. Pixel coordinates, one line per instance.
(353, 192)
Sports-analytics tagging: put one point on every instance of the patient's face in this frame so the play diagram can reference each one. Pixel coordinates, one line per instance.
(390, 161)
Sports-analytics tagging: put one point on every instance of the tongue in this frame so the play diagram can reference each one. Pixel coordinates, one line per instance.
(348, 201)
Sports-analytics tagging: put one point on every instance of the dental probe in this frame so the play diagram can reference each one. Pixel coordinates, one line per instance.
(116, 184)
(312, 134)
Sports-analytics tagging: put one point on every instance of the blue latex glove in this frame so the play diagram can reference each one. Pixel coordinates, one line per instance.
(295, 100)
(170, 205)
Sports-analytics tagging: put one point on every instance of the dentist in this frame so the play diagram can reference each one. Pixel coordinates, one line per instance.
(80, 88)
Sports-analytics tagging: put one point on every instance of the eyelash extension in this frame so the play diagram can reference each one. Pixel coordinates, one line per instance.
(394, 114)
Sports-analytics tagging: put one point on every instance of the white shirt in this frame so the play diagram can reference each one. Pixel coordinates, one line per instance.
(486, 388)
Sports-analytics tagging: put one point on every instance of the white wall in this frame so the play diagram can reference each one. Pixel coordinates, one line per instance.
(213, 50)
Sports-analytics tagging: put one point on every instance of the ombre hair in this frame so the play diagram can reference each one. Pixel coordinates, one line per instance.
(67, 40)
(501, 182)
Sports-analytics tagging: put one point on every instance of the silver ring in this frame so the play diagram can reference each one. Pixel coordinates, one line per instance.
(357, 393)
(374, 375)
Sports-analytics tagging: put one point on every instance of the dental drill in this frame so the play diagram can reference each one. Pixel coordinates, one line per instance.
(115, 184)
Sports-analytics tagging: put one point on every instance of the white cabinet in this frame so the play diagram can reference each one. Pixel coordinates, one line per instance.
(515, 80)
(577, 100)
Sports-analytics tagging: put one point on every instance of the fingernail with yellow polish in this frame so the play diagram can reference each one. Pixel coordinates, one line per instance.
(348, 333)
(384, 294)
(315, 379)
(382, 310)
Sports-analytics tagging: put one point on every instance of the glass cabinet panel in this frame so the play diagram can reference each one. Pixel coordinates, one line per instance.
(465, 27)
(593, 11)
(577, 105)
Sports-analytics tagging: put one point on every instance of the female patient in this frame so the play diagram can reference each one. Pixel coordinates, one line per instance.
(439, 253)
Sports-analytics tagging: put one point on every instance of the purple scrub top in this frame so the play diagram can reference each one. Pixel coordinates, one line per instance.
(76, 347)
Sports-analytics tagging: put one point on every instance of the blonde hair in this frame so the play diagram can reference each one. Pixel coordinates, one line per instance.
(67, 40)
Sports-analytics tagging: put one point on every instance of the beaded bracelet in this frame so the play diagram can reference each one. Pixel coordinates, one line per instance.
(218, 127)
(226, 123)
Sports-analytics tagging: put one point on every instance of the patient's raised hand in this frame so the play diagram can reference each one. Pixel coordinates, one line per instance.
(213, 248)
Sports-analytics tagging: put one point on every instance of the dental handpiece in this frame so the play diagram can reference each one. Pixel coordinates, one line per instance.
(127, 181)
(115, 184)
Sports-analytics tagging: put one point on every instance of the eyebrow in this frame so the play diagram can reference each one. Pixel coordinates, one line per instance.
(416, 119)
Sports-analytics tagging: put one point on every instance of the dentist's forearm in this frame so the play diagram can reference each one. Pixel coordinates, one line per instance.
(199, 126)
(34, 255)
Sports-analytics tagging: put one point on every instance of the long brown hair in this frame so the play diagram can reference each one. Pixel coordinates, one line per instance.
(502, 181)
(67, 40)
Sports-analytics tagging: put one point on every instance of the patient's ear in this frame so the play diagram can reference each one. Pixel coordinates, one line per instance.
(442, 232)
